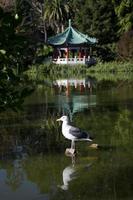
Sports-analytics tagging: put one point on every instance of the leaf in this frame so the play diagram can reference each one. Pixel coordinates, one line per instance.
(2, 51)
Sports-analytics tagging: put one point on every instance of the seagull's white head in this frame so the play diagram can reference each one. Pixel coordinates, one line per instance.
(63, 119)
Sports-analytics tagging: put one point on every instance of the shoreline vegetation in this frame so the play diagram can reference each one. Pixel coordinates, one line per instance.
(108, 70)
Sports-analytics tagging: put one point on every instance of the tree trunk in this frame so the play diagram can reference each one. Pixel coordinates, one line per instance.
(57, 28)
(62, 28)
(45, 33)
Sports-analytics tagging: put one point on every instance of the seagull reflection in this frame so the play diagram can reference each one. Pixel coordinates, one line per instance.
(69, 173)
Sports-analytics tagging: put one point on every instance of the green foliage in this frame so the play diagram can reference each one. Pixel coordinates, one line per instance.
(112, 67)
(14, 51)
(97, 18)
(30, 12)
(124, 11)
(44, 50)
(15, 56)
(105, 53)
(56, 14)
(13, 89)
(107, 70)
(40, 72)
(123, 130)
(106, 20)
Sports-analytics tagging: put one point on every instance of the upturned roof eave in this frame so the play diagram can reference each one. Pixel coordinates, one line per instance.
(65, 45)
(65, 38)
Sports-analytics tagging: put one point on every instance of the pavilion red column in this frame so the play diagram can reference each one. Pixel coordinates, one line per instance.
(82, 88)
(80, 52)
(67, 88)
(67, 53)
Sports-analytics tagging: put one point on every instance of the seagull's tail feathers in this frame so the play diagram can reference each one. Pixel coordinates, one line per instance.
(87, 136)
(90, 138)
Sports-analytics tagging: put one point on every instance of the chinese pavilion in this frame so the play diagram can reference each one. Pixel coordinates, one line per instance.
(71, 47)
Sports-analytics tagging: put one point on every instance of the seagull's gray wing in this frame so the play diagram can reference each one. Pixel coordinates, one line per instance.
(78, 133)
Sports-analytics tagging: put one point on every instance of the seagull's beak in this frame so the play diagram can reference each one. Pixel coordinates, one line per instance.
(58, 119)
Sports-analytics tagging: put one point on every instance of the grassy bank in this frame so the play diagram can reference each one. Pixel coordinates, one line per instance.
(111, 70)
(110, 67)
(41, 72)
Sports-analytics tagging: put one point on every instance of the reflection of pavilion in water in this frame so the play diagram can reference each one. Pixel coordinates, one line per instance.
(80, 85)
(74, 95)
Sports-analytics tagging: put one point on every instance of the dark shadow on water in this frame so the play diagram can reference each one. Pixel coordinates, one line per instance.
(106, 148)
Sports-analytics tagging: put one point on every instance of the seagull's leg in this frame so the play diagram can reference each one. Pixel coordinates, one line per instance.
(72, 144)
(73, 160)
(72, 150)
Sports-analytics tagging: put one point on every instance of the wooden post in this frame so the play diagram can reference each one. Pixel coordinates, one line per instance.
(90, 51)
(67, 88)
(75, 59)
(80, 52)
(84, 59)
(73, 53)
(81, 87)
(67, 52)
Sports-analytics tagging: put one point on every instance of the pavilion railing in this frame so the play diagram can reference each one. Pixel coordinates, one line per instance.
(75, 60)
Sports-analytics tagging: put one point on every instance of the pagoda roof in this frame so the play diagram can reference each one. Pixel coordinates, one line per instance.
(71, 37)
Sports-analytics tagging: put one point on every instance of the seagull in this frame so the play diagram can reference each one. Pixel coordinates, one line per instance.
(73, 133)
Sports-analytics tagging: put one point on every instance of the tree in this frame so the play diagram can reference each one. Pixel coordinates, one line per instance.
(97, 19)
(16, 53)
(124, 11)
(56, 13)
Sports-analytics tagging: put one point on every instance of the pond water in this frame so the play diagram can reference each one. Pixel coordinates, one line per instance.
(32, 160)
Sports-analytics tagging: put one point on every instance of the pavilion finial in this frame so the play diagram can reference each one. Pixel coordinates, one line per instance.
(69, 22)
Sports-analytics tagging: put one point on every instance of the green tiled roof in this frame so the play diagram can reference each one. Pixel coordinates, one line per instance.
(71, 36)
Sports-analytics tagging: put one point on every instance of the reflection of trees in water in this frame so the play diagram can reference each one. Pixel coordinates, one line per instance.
(45, 171)
(109, 178)
(122, 135)
(5, 142)
(11, 144)
(109, 128)
(45, 138)
(16, 176)
(104, 175)
(54, 173)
